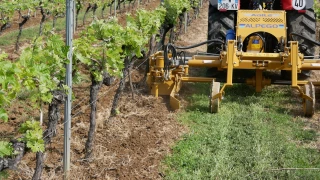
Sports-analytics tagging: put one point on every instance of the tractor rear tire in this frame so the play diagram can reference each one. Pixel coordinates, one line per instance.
(304, 24)
(218, 24)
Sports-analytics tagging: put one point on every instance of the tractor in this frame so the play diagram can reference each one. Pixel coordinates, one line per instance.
(300, 18)
(247, 40)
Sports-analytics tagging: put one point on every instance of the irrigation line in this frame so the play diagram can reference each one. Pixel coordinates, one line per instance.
(86, 106)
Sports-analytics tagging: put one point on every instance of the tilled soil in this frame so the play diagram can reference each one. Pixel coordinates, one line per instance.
(128, 146)
(196, 32)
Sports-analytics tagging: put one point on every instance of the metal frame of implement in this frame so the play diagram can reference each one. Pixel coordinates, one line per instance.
(163, 82)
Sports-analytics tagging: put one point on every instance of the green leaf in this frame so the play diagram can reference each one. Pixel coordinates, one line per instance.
(3, 115)
(33, 135)
(36, 146)
(6, 149)
(29, 125)
(4, 175)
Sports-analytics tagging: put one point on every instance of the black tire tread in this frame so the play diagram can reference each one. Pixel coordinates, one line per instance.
(218, 24)
(304, 24)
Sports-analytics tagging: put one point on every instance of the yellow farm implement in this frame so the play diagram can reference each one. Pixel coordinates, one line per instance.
(169, 69)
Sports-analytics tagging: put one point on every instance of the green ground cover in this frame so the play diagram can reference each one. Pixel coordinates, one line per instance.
(254, 136)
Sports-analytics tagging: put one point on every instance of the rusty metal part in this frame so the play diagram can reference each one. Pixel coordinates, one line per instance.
(214, 101)
(309, 105)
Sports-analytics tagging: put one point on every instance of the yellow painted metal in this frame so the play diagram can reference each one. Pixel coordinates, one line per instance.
(294, 63)
(155, 89)
(163, 88)
(204, 63)
(174, 101)
(230, 61)
(273, 22)
(269, 65)
(259, 56)
(258, 80)
(315, 83)
(197, 79)
(159, 62)
(186, 70)
(267, 61)
(162, 82)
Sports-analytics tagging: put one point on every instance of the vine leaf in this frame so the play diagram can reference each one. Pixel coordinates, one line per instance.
(5, 149)
(33, 135)
(3, 115)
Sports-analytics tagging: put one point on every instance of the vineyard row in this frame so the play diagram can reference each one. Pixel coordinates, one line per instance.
(105, 49)
(54, 9)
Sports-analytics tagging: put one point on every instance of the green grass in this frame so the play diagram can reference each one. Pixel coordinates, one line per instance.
(251, 136)
(29, 33)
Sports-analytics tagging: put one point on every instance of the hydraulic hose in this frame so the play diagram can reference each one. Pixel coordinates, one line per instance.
(202, 43)
(183, 58)
(299, 35)
(173, 49)
(166, 52)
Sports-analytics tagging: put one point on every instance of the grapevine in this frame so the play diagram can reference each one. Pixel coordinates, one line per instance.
(105, 49)
(5, 149)
(175, 10)
(7, 10)
(316, 7)
(40, 69)
(10, 85)
(44, 73)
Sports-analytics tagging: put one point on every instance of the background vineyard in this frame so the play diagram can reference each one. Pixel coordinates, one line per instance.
(51, 15)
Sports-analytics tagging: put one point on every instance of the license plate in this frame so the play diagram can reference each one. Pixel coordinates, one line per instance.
(228, 4)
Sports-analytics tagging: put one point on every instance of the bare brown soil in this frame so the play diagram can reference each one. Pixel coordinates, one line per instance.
(129, 146)
(196, 32)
